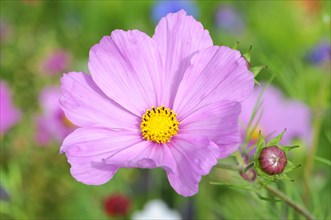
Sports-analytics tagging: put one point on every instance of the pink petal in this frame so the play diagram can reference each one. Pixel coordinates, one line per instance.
(178, 37)
(127, 67)
(87, 149)
(145, 154)
(195, 156)
(216, 73)
(218, 121)
(85, 104)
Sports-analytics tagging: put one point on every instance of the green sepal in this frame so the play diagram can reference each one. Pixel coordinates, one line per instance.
(290, 166)
(286, 149)
(235, 46)
(248, 167)
(247, 55)
(257, 69)
(275, 141)
(261, 142)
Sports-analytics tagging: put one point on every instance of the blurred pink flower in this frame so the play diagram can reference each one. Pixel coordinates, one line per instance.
(52, 124)
(57, 62)
(5, 31)
(278, 113)
(9, 114)
(170, 101)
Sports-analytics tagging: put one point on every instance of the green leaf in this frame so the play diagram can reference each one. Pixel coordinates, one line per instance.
(323, 160)
(268, 199)
(236, 186)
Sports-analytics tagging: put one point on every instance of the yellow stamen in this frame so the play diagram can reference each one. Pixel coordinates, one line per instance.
(159, 124)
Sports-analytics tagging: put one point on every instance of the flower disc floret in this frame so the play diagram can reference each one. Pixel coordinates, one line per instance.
(159, 125)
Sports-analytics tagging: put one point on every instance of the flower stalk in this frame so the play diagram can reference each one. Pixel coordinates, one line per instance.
(297, 207)
(301, 210)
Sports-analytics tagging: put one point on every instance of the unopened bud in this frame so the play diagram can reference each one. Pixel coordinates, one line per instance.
(272, 160)
(250, 174)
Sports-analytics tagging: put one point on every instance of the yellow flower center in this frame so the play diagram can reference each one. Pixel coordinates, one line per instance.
(159, 125)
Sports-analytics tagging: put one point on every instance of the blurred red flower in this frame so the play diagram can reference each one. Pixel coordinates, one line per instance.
(117, 205)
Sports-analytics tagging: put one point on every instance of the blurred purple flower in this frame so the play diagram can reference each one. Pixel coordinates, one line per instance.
(162, 7)
(4, 196)
(320, 54)
(278, 114)
(52, 124)
(57, 62)
(5, 30)
(228, 20)
(9, 114)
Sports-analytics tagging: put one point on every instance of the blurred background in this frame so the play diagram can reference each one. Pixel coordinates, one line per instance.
(40, 40)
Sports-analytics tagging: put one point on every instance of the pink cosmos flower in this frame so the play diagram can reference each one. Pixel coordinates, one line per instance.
(278, 114)
(9, 114)
(52, 124)
(169, 101)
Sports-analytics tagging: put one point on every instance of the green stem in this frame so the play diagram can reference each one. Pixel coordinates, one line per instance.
(239, 158)
(229, 167)
(301, 210)
(311, 155)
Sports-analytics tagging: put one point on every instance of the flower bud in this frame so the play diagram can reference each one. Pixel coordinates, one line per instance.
(272, 160)
(249, 175)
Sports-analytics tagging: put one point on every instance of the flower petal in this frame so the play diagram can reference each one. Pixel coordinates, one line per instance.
(195, 156)
(127, 67)
(85, 104)
(87, 148)
(145, 154)
(178, 37)
(219, 122)
(216, 73)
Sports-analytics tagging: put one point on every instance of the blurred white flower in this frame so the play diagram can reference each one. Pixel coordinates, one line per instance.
(156, 209)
